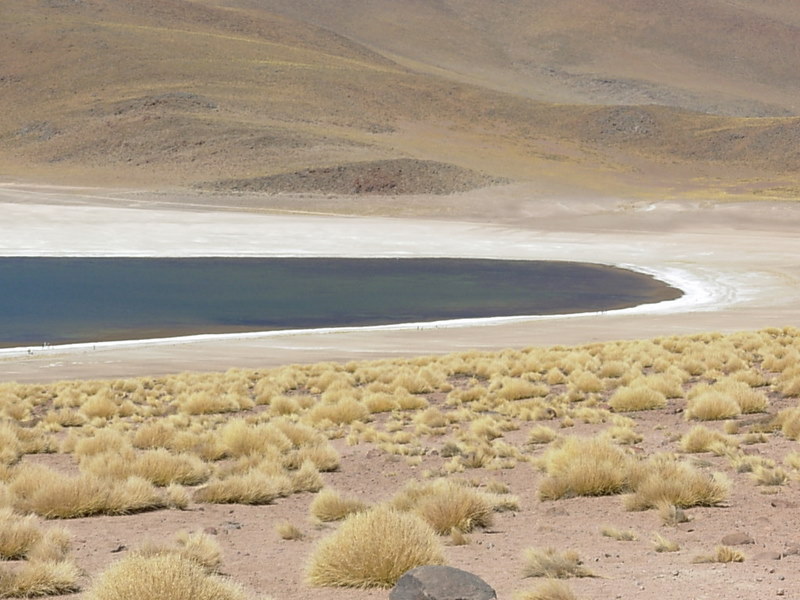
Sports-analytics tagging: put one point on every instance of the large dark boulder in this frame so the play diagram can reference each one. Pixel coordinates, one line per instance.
(434, 582)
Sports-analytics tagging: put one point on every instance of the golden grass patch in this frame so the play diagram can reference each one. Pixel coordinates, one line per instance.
(552, 564)
(721, 554)
(159, 577)
(630, 399)
(549, 589)
(664, 480)
(38, 578)
(329, 505)
(712, 405)
(662, 544)
(585, 467)
(373, 549)
(621, 535)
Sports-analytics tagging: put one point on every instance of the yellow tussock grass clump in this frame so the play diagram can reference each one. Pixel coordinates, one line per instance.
(18, 534)
(553, 564)
(330, 505)
(712, 406)
(541, 434)
(53, 495)
(160, 577)
(39, 578)
(158, 466)
(722, 554)
(549, 589)
(198, 547)
(703, 439)
(663, 480)
(789, 422)
(288, 531)
(621, 535)
(630, 399)
(342, 412)
(447, 506)
(253, 487)
(373, 549)
(662, 544)
(585, 467)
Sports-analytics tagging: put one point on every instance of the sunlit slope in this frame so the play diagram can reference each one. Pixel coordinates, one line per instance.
(178, 92)
(727, 57)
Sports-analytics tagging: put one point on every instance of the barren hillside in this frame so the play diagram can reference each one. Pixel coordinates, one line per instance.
(622, 97)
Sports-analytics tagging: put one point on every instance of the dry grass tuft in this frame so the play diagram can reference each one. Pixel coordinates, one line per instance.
(373, 549)
(621, 535)
(662, 544)
(39, 578)
(630, 399)
(663, 480)
(329, 505)
(549, 563)
(585, 467)
(253, 487)
(549, 589)
(703, 439)
(722, 554)
(288, 531)
(53, 495)
(712, 406)
(160, 577)
(451, 506)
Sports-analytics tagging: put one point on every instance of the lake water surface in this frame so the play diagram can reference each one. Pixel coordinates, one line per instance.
(65, 300)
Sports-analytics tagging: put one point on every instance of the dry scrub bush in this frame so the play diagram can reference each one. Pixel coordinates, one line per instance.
(373, 549)
(18, 534)
(451, 506)
(343, 412)
(789, 422)
(161, 577)
(702, 439)
(722, 554)
(253, 487)
(288, 531)
(53, 495)
(39, 578)
(541, 434)
(330, 505)
(630, 399)
(584, 467)
(549, 589)
(621, 535)
(763, 475)
(663, 480)
(153, 435)
(662, 544)
(712, 405)
(159, 467)
(557, 565)
(198, 547)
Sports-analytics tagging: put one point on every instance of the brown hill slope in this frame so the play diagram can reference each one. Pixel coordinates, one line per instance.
(174, 92)
(739, 58)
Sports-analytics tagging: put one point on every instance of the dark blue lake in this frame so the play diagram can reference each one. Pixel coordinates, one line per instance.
(64, 300)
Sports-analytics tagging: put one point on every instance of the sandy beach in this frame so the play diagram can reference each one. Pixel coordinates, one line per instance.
(734, 262)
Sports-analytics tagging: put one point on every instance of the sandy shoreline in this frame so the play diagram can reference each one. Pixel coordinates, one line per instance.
(734, 265)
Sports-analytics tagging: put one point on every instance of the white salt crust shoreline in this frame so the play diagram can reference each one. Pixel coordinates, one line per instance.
(734, 264)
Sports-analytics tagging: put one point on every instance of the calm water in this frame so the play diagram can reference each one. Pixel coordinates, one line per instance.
(61, 300)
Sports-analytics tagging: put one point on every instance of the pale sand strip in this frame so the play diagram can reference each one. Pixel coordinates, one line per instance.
(737, 271)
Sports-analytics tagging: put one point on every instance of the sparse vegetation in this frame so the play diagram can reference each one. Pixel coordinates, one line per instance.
(552, 564)
(373, 549)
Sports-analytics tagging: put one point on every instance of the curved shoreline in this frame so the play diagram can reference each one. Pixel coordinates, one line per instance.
(694, 295)
(734, 264)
